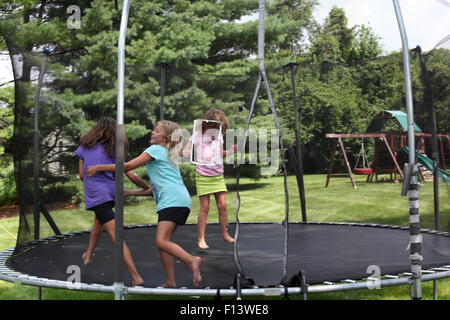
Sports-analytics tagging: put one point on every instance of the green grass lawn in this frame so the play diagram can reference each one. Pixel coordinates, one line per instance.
(263, 200)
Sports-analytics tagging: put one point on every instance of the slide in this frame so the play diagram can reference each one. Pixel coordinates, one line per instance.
(428, 163)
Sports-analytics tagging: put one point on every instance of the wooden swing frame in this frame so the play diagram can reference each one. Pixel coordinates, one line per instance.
(339, 141)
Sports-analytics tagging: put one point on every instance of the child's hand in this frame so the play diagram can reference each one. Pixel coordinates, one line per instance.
(91, 170)
(230, 151)
(147, 192)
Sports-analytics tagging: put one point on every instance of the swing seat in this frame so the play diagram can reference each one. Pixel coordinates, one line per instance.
(365, 171)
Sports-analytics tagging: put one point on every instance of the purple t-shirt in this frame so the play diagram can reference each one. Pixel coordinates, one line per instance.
(101, 187)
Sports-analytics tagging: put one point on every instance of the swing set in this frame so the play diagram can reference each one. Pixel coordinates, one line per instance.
(381, 140)
(388, 129)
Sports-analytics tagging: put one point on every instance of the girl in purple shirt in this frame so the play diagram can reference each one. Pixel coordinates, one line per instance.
(96, 147)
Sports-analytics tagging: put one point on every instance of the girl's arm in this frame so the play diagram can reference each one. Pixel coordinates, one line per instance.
(229, 152)
(91, 170)
(142, 192)
(130, 165)
(80, 168)
(187, 149)
(137, 180)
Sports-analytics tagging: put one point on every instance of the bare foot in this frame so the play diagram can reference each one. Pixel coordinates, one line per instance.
(137, 282)
(202, 244)
(169, 285)
(227, 238)
(195, 267)
(87, 258)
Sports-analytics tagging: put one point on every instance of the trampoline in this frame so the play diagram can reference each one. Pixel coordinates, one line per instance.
(267, 259)
(333, 256)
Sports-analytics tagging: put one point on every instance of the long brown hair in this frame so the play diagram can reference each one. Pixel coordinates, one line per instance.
(103, 133)
(216, 115)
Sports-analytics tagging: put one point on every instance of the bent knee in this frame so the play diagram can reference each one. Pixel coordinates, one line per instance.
(159, 243)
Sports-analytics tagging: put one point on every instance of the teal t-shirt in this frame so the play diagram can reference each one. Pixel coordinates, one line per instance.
(166, 181)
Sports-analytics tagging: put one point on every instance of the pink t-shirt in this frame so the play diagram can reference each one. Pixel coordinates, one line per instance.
(208, 150)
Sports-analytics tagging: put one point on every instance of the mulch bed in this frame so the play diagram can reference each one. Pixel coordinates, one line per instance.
(13, 210)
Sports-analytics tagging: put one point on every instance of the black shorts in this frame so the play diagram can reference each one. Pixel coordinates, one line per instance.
(104, 212)
(178, 215)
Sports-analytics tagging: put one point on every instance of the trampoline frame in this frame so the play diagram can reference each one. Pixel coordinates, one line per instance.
(386, 280)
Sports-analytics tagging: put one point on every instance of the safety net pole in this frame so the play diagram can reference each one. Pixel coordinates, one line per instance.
(120, 157)
(262, 77)
(36, 198)
(241, 271)
(411, 170)
(299, 166)
(434, 150)
(163, 89)
(261, 42)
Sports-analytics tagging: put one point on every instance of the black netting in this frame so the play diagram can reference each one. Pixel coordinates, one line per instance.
(67, 109)
(58, 126)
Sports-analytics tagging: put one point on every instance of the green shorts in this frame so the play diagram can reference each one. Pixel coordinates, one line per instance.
(208, 185)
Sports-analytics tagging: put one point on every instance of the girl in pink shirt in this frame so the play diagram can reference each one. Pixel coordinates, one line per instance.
(208, 146)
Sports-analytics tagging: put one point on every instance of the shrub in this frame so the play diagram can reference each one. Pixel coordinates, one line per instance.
(187, 171)
(8, 194)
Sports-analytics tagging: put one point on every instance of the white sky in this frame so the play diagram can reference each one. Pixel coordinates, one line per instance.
(426, 23)
(5, 68)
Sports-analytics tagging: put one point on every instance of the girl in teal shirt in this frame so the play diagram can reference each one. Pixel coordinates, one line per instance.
(172, 199)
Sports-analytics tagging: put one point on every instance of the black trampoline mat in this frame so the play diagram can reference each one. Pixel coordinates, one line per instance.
(326, 252)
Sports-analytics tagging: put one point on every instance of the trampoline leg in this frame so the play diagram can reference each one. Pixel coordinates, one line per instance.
(416, 290)
(435, 290)
(218, 297)
(120, 291)
(303, 284)
(238, 286)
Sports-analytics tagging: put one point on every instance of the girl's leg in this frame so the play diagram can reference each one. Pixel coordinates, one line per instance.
(221, 201)
(169, 249)
(201, 221)
(96, 232)
(167, 262)
(127, 258)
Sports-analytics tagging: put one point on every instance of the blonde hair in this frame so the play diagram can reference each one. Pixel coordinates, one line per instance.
(217, 115)
(168, 128)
